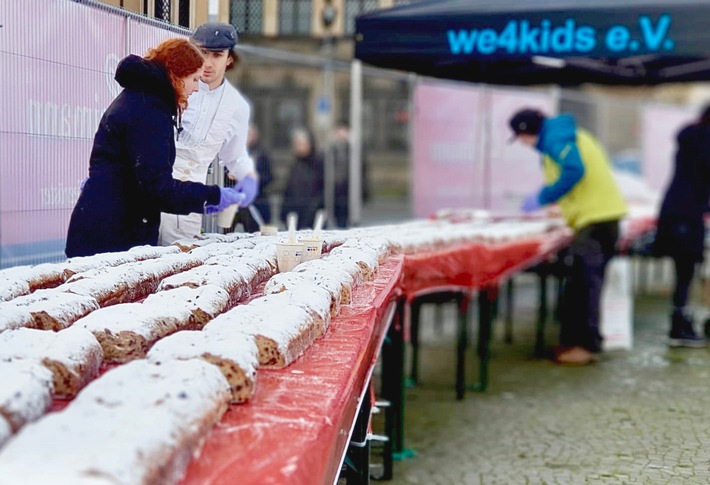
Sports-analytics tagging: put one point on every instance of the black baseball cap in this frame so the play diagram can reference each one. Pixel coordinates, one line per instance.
(526, 122)
(215, 36)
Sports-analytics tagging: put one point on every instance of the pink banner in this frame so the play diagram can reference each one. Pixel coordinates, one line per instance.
(445, 149)
(60, 62)
(461, 150)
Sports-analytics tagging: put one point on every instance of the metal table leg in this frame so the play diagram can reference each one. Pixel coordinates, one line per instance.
(357, 460)
(463, 302)
(415, 309)
(486, 300)
(509, 290)
(393, 390)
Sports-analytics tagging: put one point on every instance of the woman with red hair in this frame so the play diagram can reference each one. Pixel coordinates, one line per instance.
(130, 168)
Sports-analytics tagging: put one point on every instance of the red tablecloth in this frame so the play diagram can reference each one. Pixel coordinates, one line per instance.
(632, 228)
(476, 265)
(296, 428)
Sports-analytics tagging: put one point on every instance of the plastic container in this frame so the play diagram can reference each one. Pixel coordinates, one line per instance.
(312, 248)
(288, 255)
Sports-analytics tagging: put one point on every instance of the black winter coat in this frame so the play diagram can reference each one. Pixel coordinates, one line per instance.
(130, 169)
(304, 190)
(681, 229)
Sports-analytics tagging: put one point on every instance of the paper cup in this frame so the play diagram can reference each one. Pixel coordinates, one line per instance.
(311, 248)
(226, 217)
(288, 255)
(268, 230)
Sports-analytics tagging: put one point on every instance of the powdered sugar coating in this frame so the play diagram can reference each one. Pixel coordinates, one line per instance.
(81, 264)
(72, 355)
(13, 288)
(25, 393)
(348, 272)
(54, 309)
(236, 281)
(313, 299)
(290, 329)
(208, 299)
(237, 356)
(149, 252)
(381, 245)
(365, 258)
(128, 282)
(141, 383)
(126, 331)
(25, 343)
(13, 316)
(155, 415)
(292, 281)
(5, 431)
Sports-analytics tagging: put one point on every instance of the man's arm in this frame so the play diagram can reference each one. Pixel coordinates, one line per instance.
(566, 155)
(233, 153)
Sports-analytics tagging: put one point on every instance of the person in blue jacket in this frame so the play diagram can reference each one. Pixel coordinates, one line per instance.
(130, 167)
(579, 178)
(681, 224)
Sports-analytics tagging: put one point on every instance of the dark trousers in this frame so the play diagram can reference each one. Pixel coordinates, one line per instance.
(586, 262)
(684, 270)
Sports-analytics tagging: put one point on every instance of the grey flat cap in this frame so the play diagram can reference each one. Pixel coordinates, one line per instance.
(215, 36)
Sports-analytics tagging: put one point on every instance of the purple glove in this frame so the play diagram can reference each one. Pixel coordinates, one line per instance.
(228, 196)
(531, 203)
(249, 187)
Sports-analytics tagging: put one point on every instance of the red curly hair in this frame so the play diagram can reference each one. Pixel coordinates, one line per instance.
(180, 58)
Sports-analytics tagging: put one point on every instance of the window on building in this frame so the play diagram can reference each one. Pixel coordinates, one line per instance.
(353, 8)
(247, 15)
(277, 111)
(162, 10)
(295, 17)
(385, 118)
(184, 13)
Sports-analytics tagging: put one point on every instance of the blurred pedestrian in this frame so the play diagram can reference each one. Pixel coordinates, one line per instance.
(681, 226)
(263, 167)
(304, 188)
(130, 167)
(579, 178)
(340, 156)
(215, 125)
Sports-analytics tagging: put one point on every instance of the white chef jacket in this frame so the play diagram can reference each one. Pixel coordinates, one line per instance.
(214, 125)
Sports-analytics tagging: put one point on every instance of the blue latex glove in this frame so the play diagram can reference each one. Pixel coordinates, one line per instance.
(228, 196)
(249, 187)
(531, 203)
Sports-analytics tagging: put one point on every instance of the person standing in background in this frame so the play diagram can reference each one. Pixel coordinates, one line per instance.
(304, 188)
(340, 155)
(214, 125)
(579, 178)
(681, 225)
(130, 168)
(263, 167)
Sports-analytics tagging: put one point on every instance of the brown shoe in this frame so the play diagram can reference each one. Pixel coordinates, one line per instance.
(576, 356)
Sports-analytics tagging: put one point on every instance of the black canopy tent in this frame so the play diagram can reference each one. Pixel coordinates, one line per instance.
(525, 42)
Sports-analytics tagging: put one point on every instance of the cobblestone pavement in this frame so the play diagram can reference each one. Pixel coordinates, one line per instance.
(636, 417)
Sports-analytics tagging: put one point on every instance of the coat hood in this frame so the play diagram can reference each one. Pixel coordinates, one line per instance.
(136, 73)
(560, 129)
(696, 133)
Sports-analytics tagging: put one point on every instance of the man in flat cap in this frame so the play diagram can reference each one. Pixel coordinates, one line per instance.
(579, 178)
(215, 124)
